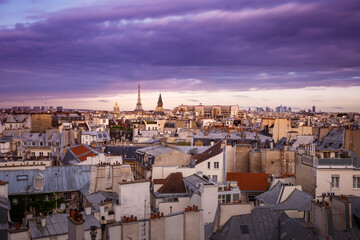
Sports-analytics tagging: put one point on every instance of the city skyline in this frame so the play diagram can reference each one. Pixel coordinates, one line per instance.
(86, 54)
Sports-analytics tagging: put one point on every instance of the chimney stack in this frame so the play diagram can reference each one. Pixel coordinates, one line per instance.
(43, 220)
(76, 225)
(341, 211)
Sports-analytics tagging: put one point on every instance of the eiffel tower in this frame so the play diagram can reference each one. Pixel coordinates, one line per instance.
(138, 104)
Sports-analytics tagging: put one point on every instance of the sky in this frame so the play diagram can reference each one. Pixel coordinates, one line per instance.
(90, 54)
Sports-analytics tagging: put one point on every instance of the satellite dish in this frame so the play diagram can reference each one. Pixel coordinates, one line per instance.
(62, 206)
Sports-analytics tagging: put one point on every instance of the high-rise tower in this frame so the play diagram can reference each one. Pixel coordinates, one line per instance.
(138, 104)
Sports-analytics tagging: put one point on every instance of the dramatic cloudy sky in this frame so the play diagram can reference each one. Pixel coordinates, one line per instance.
(89, 54)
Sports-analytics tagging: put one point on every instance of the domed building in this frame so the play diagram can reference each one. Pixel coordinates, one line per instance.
(116, 111)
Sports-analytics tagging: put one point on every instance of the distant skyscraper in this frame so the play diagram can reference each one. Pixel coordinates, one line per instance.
(313, 109)
(138, 104)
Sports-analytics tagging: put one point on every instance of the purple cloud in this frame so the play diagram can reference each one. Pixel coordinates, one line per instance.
(182, 46)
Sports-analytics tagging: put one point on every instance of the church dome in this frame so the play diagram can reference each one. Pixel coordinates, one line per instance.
(116, 107)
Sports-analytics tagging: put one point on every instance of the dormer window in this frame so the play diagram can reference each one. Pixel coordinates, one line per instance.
(39, 182)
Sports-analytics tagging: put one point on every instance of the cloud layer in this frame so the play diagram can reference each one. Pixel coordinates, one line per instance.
(181, 45)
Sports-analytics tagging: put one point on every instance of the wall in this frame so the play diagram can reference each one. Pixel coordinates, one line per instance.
(172, 158)
(339, 208)
(345, 181)
(255, 162)
(175, 227)
(242, 163)
(178, 206)
(192, 225)
(305, 176)
(98, 177)
(157, 229)
(134, 199)
(227, 210)
(40, 122)
(352, 140)
(161, 172)
(130, 231)
(209, 202)
(203, 167)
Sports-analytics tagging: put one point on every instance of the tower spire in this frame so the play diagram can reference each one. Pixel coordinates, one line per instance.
(138, 104)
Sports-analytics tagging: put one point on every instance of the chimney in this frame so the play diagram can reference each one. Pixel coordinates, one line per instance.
(43, 220)
(103, 228)
(321, 217)
(341, 211)
(76, 225)
(4, 189)
(87, 208)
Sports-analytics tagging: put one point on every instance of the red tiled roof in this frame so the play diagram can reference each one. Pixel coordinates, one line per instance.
(84, 157)
(249, 181)
(159, 181)
(82, 152)
(79, 150)
(209, 153)
(174, 184)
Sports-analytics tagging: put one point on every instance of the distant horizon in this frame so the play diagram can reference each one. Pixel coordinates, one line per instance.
(127, 102)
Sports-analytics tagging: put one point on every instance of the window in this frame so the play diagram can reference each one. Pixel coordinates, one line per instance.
(21, 177)
(49, 154)
(221, 198)
(15, 201)
(209, 165)
(226, 198)
(244, 229)
(67, 196)
(335, 181)
(214, 178)
(216, 164)
(236, 197)
(356, 182)
(41, 154)
(33, 154)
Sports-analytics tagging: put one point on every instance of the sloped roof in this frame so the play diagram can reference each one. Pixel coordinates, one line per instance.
(207, 154)
(174, 184)
(156, 150)
(271, 197)
(260, 224)
(297, 200)
(128, 152)
(292, 230)
(78, 153)
(56, 179)
(249, 181)
(57, 224)
(96, 198)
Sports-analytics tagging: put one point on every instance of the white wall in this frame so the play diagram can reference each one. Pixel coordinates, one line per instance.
(323, 181)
